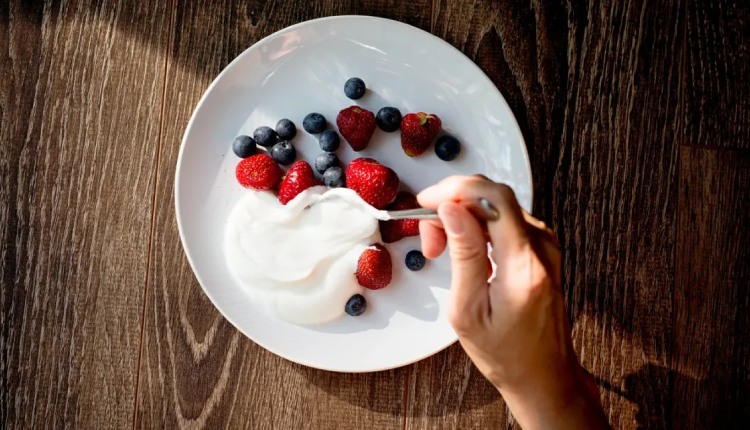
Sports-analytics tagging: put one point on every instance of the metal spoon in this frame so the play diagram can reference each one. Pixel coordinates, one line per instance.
(482, 209)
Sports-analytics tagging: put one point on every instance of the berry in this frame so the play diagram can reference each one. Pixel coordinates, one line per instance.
(374, 267)
(415, 260)
(418, 130)
(356, 305)
(354, 88)
(329, 141)
(298, 178)
(357, 125)
(314, 123)
(374, 182)
(265, 136)
(389, 119)
(325, 161)
(334, 177)
(284, 153)
(395, 230)
(244, 146)
(258, 172)
(286, 129)
(447, 148)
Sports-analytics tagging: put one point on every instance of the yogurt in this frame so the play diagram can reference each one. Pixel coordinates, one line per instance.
(299, 259)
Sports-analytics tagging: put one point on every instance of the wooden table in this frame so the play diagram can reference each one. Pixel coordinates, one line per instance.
(637, 120)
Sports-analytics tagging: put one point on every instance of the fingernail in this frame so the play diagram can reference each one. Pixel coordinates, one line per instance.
(451, 219)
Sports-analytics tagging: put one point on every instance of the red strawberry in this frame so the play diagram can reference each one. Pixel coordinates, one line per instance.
(298, 178)
(418, 130)
(375, 183)
(258, 172)
(357, 125)
(395, 230)
(374, 268)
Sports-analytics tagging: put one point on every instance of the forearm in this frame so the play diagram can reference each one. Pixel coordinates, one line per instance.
(564, 402)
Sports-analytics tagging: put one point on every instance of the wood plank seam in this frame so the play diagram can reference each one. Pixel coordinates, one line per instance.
(719, 148)
(407, 380)
(149, 258)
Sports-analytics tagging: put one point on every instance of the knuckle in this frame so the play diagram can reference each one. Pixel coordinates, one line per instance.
(537, 288)
(476, 180)
(466, 315)
(460, 252)
(505, 191)
(481, 177)
(454, 316)
(462, 325)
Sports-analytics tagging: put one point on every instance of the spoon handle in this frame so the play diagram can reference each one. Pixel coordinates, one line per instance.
(420, 213)
(482, 209)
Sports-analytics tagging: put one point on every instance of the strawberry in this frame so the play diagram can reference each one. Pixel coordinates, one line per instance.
(298, 178)
(395, 230)
(374, 182)
(418, 130)
(357, 125)
(258, 172)
(374, 268)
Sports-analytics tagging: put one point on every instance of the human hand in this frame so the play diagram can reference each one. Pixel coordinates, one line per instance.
(514, 328)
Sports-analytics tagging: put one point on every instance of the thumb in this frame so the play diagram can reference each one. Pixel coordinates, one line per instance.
(468, 253)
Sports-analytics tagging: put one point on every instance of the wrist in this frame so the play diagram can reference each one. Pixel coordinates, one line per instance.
(560, 397)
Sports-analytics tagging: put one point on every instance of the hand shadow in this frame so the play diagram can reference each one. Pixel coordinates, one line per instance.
(668, 399)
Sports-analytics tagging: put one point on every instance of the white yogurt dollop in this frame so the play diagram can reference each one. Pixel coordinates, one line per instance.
(299, 260)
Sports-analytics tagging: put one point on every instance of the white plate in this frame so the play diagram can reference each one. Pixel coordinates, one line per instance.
(302, 69)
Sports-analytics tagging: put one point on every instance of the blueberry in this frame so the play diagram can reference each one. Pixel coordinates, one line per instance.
(354, 88)
(283, 153)
(314, 123)
(447, 148)
(244, 146)
(415, 260)
(286, 129)
(334, 177)
(356, 305)
(389, 119)
(329, 141)
(325, 161)
(265, 136)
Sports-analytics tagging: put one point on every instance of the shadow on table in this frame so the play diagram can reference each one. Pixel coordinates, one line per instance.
(653, 402)
(665, 400)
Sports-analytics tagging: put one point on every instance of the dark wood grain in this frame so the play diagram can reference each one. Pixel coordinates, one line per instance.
(78, 144)
(587, 83)
(717, 88)
(710, 372)
(711, 359)
(447, 391)
(197, 370)
(616, 209)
